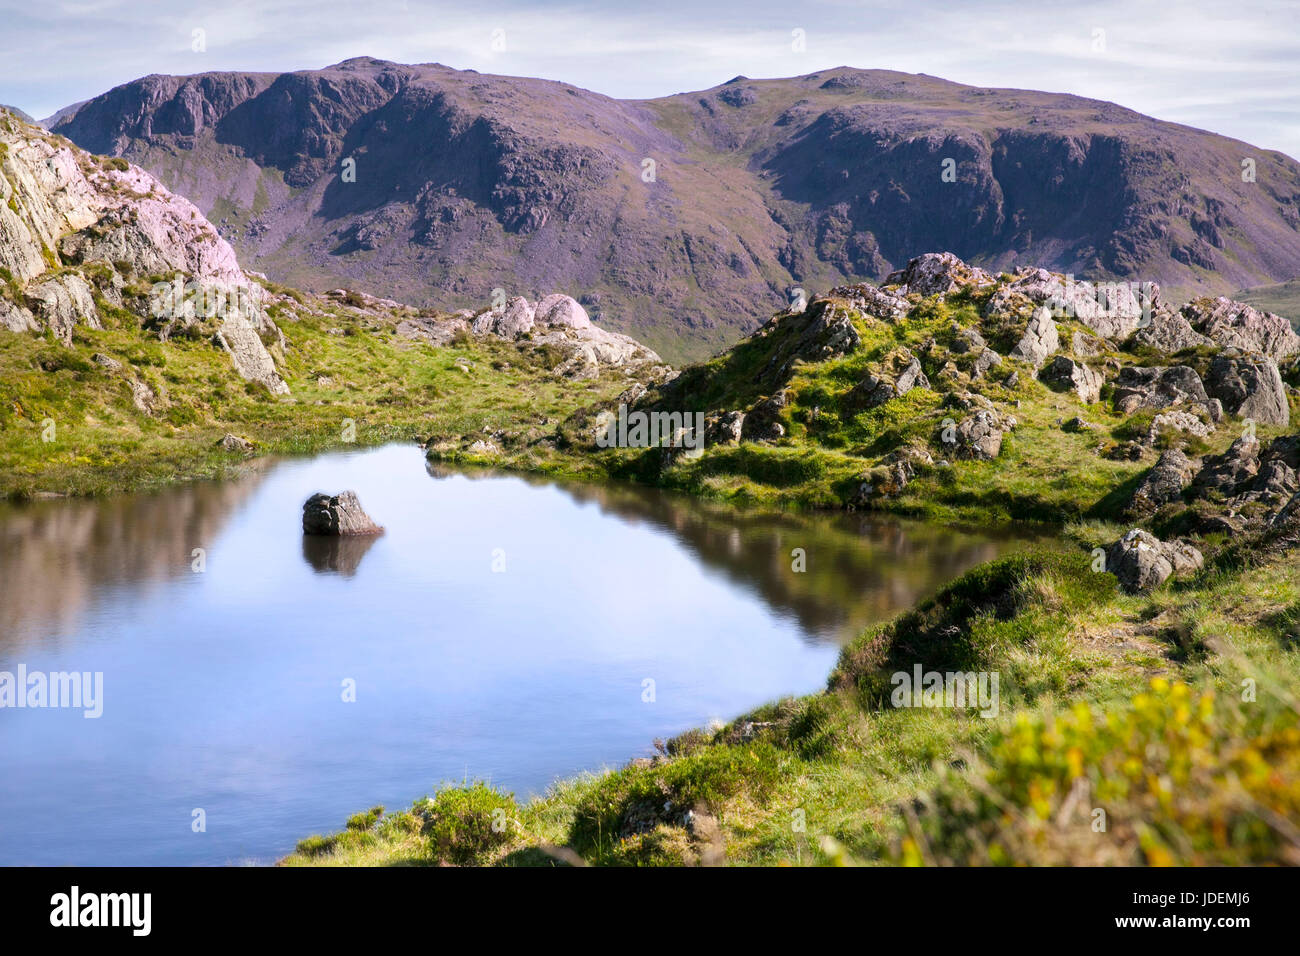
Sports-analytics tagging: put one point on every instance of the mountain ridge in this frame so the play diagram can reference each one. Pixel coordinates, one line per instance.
(467, 182)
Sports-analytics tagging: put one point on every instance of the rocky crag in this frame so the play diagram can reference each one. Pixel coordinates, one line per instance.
(86, 240)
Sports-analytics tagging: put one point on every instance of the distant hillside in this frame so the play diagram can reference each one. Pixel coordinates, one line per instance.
(685, 220)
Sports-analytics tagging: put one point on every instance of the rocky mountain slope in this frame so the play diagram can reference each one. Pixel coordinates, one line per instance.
(685, 219)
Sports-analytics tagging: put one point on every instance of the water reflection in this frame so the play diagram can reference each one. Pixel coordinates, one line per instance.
(859, 568)
(336, 554)
(58, 556)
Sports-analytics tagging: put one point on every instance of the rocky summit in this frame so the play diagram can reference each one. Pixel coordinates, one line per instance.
(684, 220)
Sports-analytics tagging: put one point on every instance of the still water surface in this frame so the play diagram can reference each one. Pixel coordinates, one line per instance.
(223, 688)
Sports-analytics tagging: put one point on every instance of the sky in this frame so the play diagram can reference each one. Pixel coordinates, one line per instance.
(1232, 67)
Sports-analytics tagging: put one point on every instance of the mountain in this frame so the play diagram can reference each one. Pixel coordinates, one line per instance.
(684, 220)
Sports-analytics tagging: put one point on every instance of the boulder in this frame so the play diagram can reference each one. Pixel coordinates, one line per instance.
(724, 429)
(978, 437)
(1141, 561)
(1087, 346)
(17, 318)
(438, 332)
(561, 310)
(1250, 387)
(968, 340)
(1178, 421)
(64, 302)
(1040, 340)
(762, 423)
(339, 514)
(1169, 332)
(229, 442)
(1227, 472)
(1162, 484)
(514, 320)
(1065, 374)
(985, 362)
(1137, 388)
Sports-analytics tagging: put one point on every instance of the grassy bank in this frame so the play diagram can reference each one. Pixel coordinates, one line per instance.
(1049, 470)
(352, 380)
(1122, 737)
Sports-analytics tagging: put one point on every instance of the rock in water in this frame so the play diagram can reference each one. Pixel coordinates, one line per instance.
(337, 515)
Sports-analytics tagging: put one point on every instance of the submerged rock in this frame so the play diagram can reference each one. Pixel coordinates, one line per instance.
(340, 514)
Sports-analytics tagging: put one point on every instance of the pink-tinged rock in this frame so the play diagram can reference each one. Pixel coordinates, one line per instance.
(562, 310)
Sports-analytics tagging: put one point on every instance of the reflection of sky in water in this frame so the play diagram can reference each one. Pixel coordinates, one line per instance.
(222, 689)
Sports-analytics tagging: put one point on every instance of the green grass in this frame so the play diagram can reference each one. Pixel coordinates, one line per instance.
(389, 388)
(1043, 474)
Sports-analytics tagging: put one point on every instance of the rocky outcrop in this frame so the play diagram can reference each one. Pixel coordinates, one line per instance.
(978, 437)
(70, 222)
(819, 333)
(516, 319)
(62, 303)
(1177, 421)
(1111, 310)
(1157, 388)
(936, 273)
(875, 302)
(1169, 332)
(557, 320)
(1065, 374)
(897, 374)
(724, 429)
(1227, 472)
(1163, 484)
(985, 363)
(1250, 387)
(762, 423)
(339, 514)
(1236, 325)
(1040, 340)
(1140, 561)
